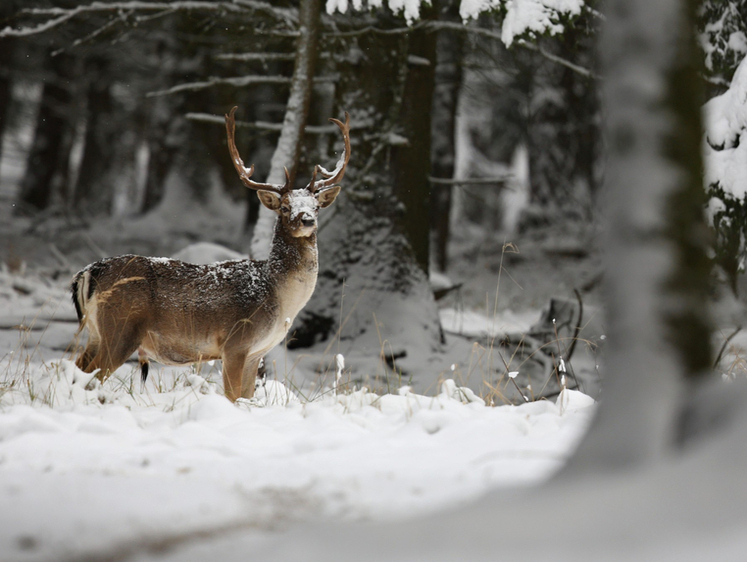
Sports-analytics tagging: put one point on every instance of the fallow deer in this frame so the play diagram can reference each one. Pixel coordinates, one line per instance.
(179, 313)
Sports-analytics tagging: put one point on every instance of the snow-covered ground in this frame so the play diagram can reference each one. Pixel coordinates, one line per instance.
(117, 470)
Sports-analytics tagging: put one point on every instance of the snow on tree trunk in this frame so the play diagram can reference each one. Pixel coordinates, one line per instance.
(291, 136)
(656, 265)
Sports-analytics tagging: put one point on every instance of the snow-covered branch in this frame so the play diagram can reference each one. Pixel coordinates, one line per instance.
(521, 17)
(61, 15)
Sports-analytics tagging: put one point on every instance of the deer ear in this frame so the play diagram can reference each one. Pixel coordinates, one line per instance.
(269, 199)
(328, 196)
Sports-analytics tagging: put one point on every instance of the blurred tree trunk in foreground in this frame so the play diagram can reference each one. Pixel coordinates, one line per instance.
(657, 270)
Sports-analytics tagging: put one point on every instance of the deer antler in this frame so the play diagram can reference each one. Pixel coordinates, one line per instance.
(335, 176)
(246, 173)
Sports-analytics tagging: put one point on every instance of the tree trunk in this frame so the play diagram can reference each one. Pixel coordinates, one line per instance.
(372, 298)
(448, 81)
(48, 161)
(412, 162)
(92, 191)
(6, 84)
(657, 271)
(291, 136)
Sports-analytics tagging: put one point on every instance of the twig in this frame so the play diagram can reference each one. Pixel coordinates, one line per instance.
(555, 58)
(723, 347)
(95, 248)
(119, 18)
(60, 256)
(577, 330)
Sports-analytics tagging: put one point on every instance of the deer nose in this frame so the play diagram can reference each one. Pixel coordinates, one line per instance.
(306, 221)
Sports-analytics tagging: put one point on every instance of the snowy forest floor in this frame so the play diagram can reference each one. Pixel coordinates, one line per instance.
(118, 473)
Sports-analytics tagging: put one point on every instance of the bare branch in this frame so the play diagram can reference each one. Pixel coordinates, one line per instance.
(113, 21)
(262, 57)
(238, 82)
(568, 64)
(41, 28)
(379, 31)
(249, 57)
(260, 125)
(472, 181)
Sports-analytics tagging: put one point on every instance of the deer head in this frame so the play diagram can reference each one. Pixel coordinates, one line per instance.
(296, 208)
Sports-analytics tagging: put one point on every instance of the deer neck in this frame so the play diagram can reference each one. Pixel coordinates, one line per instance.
(293, 264)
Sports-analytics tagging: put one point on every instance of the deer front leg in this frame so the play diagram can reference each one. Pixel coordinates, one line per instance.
(250, 376)
(233, 374)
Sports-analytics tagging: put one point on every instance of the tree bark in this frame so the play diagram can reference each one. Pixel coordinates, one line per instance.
(92, 191)
(6, 85)
(657, 271)
(291, 136)
(48, 161)
(412, 162)
(448, 82)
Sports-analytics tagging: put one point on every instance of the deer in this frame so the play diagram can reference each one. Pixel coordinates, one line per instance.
(178, 313)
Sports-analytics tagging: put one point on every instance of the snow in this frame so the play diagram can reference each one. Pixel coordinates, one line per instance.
(84, 471)
(725, 120)
(522, 16)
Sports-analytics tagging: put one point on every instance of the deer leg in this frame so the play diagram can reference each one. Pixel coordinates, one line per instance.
(250, 376)
(233, 374)
(85, 358)
(112, 355)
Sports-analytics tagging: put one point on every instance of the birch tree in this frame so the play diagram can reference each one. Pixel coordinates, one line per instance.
(291, 135)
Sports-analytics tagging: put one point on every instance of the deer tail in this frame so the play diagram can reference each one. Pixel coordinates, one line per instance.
(80, 290)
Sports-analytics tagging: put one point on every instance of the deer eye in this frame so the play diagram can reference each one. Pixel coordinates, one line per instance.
(285, 210)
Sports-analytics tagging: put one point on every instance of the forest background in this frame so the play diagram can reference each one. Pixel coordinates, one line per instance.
(107, 134)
